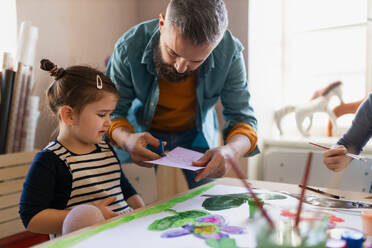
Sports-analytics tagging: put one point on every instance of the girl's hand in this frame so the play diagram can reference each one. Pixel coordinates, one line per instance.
(103, 206)
(335, 159)
(135, 201)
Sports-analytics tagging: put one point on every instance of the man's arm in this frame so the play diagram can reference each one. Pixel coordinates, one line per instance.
(235, 100)
(118, 69)
(239, 130)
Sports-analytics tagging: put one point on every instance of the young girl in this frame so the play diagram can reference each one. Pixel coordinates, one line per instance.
(77, 181)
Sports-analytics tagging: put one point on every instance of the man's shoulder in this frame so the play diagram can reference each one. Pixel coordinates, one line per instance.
(229, 45)
(138, 36)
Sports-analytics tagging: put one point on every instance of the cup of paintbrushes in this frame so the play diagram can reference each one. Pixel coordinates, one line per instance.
(308, 234)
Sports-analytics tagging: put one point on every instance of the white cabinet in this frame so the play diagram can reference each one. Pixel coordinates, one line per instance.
(285, 160)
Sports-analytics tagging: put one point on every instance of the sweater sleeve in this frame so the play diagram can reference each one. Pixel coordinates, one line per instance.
(126, 187)
(360, 131)
(118, 122)
(47, 185)
(247, 130)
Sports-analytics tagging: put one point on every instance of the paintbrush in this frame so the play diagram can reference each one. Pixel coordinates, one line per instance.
(321, 192)
(304, 183)
(255, 198)
(358, 157)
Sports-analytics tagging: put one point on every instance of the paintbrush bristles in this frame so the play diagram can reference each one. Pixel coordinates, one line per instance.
(304, 183)
(255, 198)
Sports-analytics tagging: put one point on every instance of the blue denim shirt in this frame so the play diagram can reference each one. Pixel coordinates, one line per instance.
(222, 74)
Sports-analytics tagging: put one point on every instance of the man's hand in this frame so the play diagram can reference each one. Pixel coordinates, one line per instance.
(215, 161)
(135, 145)
(335, 159)
(106, 212)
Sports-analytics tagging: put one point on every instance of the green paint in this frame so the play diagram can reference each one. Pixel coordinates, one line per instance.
(221, 202)
(154, 210)
(222, 243)
(178, 220)
(253, 207)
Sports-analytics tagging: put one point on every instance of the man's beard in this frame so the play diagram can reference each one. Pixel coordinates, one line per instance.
(166, 71)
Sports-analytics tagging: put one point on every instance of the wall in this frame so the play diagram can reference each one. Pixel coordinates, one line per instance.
(73, 32)
(265, 55)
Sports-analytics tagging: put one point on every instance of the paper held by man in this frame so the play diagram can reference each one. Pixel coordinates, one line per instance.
(181, 158)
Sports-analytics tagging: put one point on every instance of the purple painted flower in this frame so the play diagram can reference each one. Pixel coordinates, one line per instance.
(207, 227)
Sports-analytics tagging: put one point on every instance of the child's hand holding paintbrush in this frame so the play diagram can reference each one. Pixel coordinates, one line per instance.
(337, 159)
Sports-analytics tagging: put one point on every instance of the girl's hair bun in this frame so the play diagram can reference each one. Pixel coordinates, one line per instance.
(47, 65)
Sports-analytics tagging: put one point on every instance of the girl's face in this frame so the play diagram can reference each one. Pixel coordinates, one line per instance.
(94, 120)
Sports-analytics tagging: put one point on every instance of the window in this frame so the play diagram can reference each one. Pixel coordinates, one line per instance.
(8, 28)
(314, 43)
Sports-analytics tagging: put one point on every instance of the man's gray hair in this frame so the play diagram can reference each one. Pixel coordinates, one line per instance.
(200, 21)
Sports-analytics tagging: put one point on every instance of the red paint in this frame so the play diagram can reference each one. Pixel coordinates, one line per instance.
(332, 218)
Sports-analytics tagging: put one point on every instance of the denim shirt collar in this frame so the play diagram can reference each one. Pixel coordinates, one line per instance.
(147, 57)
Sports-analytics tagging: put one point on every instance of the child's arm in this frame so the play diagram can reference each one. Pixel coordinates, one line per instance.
(135, 201)
(48, 221)
(52, 220)
(45, 193)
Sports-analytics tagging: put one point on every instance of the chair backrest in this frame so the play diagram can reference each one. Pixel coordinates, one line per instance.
(13, 169)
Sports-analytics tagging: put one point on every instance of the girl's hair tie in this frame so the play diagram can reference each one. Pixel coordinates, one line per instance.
(47, 65)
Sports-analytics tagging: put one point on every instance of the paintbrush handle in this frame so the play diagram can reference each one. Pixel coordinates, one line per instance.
(358, 157)
(351, 155)
(320, 192)
(304, 183)
(257, 201)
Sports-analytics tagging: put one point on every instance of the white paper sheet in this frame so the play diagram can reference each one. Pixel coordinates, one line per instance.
(136, 233)
(180, 157)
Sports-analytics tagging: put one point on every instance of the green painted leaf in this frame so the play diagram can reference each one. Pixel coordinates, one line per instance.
(228, 243)
(212, 243)
(164, 224)
(222, 202)
(178, 220)
(222, 243)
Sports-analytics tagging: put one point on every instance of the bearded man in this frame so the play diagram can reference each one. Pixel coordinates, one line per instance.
(170, 73)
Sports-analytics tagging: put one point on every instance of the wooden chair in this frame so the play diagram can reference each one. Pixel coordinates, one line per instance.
(343, 109)
(13, 169)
